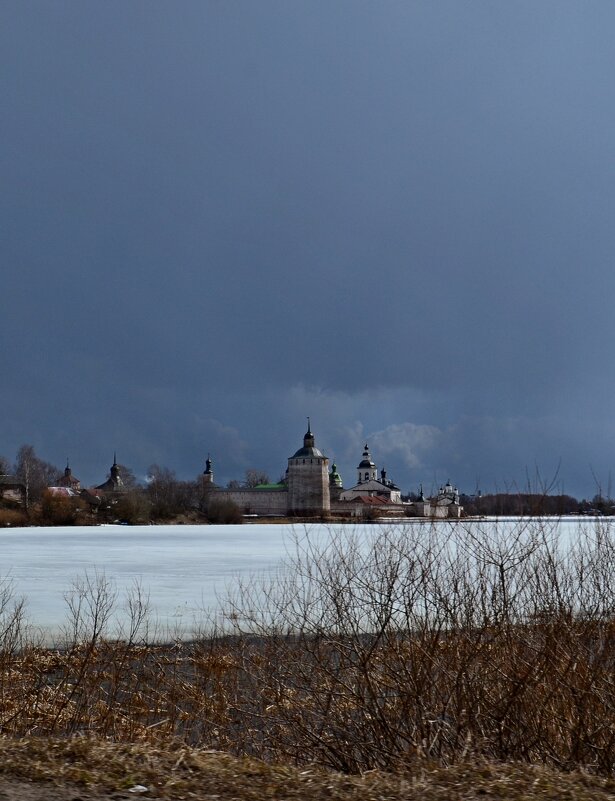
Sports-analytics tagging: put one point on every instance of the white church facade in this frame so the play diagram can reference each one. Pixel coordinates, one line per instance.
(369, 484)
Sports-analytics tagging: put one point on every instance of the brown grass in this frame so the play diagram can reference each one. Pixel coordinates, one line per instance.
(181, 772)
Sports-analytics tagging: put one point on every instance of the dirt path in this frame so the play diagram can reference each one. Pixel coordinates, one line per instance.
(16, 790)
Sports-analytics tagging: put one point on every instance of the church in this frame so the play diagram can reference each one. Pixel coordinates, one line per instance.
(369, 485)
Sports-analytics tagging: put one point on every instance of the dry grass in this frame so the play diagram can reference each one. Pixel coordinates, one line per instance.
(180, 772)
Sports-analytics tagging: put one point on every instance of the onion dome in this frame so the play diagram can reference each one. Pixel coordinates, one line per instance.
(335, 480)
(366, 463)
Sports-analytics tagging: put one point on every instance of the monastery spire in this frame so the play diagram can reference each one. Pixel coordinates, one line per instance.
(308, 439)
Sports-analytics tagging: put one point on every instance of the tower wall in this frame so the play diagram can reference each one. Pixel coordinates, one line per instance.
(308, 486)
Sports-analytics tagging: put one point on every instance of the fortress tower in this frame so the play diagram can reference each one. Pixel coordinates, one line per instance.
(308, 480)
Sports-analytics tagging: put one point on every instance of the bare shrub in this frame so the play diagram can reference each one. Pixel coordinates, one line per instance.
(12, 517)
(433, 641)
(371, 648)
(132, 507)
(58, 510)
(223, 512)
(12, 618)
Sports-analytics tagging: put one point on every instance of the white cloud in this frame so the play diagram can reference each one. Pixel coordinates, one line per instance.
(407, 441)
(224, 443)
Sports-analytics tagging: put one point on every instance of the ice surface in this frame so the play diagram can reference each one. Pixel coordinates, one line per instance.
(183, 568)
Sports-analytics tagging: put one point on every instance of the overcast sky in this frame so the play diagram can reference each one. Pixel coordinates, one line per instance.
(220, 217)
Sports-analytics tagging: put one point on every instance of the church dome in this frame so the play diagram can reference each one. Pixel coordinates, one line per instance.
(334, 477)
(309, 449)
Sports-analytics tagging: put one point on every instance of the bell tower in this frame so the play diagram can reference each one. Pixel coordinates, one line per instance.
(367, 469)
(208, 473)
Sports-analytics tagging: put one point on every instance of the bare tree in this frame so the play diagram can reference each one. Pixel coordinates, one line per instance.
(256, 477)
(35, 473)
(169, 496)
(129, 480)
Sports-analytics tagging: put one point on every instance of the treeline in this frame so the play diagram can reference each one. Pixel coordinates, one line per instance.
(161, 498)
(159, 501)
(526, 504)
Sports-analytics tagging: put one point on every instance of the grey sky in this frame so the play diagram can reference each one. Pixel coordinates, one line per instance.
(220, 217)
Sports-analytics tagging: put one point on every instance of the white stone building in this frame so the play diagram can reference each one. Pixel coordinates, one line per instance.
(444, 505)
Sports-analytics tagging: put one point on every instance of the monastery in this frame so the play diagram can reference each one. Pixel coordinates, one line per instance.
(311, 489)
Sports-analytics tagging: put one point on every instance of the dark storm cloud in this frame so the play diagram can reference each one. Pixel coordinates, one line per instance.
(220, 217)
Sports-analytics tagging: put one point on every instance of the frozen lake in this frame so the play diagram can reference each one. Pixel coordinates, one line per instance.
(183, 568)
(180, 567)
